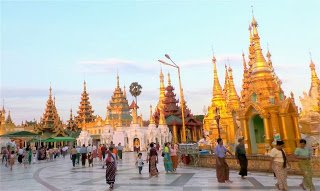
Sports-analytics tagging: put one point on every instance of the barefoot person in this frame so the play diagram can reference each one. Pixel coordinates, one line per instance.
(304, 156)
(110, 167)
(242, 158)
(153, 161)
(279, 165)
(222, 167)
(174, 156)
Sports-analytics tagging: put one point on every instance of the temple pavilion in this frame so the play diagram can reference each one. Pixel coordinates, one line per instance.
(168, 112)
(262, 113)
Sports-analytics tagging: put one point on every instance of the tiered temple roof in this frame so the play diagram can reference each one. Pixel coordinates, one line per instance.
(72, 125)
(172, 111)
(50, 122)
(85, 112)
(118, 108)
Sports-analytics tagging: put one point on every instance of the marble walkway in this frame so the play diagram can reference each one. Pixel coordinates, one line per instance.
(59, 175)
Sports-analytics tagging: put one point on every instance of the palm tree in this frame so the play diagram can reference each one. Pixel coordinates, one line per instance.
(135, 90)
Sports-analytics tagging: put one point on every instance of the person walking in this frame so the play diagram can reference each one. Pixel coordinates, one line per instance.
(29, 153)
(20, 155)
(100, 153)
(279, 164)
(12, 158)
(174, 157)
(242, 158)
(153, 161)
(5, 156)
(120, 149)
(78, 155)
(222, 168)
(304, 155)
(167, 158)
(73, 155)
(111, 167)
(103, 151)
(83, 152)
(140, 162)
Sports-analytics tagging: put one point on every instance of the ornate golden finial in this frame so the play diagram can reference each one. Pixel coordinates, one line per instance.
(217, 90)
(226, 82)
(244, 62)
(50, 91)
(124, 91)
(84, 86)
(71, 113)
(54, 100)
(118, 83)
(151, 116)
(169, 79)
(314, 76)
(161, 79)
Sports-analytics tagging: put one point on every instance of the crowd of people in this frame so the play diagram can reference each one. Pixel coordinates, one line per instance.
(107, 156)
(278, 164)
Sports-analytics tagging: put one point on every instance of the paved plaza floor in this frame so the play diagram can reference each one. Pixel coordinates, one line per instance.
(60, 175)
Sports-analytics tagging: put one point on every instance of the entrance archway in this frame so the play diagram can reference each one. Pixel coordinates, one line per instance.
(256, 129)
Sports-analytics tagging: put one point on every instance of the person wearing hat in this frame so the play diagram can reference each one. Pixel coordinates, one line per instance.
(242, 158)
(279, 164)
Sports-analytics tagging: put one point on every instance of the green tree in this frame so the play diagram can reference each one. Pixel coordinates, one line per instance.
(135, 90)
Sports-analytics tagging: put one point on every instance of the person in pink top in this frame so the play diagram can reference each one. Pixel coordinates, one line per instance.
(174, 157)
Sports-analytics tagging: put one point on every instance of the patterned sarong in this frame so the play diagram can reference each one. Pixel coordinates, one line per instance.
(281, 175)
(222, 170)
(110, 172)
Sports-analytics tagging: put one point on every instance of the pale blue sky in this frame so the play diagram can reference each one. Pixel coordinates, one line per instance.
(65, 42)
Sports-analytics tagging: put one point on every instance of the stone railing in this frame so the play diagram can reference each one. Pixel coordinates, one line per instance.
(259, 163)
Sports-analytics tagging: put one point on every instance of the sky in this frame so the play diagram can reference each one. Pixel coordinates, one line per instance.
(63, 43)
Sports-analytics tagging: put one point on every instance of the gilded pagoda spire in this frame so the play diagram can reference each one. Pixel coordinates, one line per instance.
(85, 112)
(217, 90)
(233, 98)
(151, 120)
(259, 67)
(245, 79)
(119, 108)
(124, 91)
(51, 121)
(315, 83)
(226, 83)
(162, 90)
(118, 83)
(9, 120)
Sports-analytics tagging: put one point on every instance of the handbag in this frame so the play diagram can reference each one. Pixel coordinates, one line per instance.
(163, 154)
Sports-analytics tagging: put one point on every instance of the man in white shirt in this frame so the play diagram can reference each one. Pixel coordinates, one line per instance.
(89, 148)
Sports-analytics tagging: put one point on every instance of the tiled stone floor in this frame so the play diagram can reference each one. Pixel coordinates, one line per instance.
(60, 175)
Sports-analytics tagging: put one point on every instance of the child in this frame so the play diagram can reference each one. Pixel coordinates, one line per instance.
(11, 159)
(140, 162)
(90, 159)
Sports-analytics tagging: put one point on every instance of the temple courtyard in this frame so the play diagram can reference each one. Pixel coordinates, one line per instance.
(60, 175)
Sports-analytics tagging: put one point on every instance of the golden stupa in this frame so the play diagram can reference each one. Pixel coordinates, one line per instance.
(265, 112)
(225, 102)
(310, 114)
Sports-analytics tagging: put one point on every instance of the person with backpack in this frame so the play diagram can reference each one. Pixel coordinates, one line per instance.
(111, 167)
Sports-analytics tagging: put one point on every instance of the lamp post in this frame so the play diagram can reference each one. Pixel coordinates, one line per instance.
(217, 118)
(181, 95)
